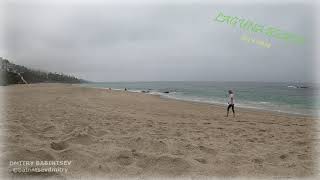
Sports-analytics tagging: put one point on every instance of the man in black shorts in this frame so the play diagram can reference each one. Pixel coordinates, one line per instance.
(231, 103)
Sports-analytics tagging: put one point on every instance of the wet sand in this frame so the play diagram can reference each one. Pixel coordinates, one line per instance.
(123, 134)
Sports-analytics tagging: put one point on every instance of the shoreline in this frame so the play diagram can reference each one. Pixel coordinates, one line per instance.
(220, 105)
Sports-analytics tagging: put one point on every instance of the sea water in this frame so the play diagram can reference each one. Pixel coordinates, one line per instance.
(295, 98)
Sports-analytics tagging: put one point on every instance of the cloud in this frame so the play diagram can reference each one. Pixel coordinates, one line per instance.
(139, 42)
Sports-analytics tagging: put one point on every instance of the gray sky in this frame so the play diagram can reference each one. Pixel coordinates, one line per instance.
(158, 41)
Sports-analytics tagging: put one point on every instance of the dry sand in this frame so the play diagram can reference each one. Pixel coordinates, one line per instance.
(117, 133)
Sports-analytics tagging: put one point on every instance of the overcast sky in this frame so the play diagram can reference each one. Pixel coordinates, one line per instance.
(158, 41)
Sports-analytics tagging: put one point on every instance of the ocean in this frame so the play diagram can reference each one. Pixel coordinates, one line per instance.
(293, 98)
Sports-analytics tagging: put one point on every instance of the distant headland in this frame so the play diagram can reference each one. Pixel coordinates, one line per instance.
(11, 73)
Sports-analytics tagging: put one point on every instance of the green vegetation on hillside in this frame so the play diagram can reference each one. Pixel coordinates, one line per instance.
(15, 74)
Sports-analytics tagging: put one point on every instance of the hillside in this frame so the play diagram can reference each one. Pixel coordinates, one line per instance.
(15, 74)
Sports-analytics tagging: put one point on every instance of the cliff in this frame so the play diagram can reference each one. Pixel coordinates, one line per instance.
(11, 73)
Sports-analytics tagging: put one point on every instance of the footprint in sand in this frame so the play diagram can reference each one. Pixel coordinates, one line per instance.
(158, 146)
(208, 150)
(79, 159)
(27, 154)
(80, 136)
(262, 130)
(144, 161)
(61, 145)
(164, 165)
(148, 145)
(252, 139)
(49, 128)
(201, 160)
(125, 158)
(257, 160)
(283, 156)
(95, 131)
(300, 143)
(303, 156)
(81, 139)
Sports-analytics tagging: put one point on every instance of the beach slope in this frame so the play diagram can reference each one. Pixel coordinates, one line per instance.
(117, 133)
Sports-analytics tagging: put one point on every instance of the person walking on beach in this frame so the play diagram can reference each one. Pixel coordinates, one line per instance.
(231, 103)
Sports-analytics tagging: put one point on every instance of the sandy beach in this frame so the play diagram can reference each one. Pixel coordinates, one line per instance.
(117, 133)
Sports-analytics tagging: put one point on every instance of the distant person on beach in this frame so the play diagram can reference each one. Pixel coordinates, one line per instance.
(231, 103)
